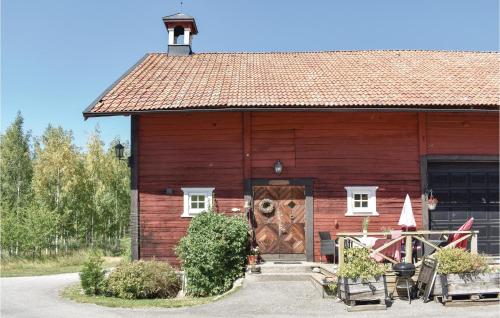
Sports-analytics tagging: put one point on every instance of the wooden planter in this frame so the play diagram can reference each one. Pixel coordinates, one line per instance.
(353, 290)
(450, 285)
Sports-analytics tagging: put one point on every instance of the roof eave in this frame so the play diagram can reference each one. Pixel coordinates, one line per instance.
(423, 108)
(88, 109)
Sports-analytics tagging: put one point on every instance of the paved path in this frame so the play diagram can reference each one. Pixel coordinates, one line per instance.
(24, 297)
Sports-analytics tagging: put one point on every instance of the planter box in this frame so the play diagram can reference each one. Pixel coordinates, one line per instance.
(466, 284)
(352, 290)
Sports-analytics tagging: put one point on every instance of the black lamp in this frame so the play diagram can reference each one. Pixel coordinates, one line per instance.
(119, 151)
(278, 167)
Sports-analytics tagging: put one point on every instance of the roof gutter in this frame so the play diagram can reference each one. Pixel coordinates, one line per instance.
(88, 114)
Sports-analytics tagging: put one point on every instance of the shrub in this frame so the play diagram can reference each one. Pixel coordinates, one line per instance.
(213, 252)
(143, 279)
(92, 275)
(457, 261)
(359, 264)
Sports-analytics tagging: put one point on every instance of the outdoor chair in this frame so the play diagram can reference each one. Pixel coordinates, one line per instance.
(436, 239)
(327, 246)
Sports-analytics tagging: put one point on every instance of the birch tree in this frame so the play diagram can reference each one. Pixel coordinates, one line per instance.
(57, 180)
(15, 182)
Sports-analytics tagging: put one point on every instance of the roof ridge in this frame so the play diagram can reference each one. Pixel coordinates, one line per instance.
(337, 51)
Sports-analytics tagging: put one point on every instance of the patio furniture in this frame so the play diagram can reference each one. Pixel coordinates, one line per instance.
(327, 246)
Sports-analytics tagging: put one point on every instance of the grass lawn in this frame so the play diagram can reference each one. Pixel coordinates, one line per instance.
(74, 292)
(51, 265)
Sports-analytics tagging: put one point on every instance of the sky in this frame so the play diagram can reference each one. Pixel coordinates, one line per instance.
(57, 56)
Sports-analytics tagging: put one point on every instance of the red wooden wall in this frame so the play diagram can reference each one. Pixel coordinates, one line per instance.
(335, 149)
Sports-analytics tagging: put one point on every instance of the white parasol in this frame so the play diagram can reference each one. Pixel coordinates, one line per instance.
(407, 219)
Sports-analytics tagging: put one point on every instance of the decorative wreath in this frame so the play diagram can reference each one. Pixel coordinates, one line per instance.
(266, 206)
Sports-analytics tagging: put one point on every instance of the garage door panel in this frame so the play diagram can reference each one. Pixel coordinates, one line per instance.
(479, 215)
(494, 231)
(460, 216)
(439, 179)
(478, 179)
(464, 190)
(493, 179)
(459, 180)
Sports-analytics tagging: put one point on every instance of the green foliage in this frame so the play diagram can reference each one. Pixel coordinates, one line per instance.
(331, 288)
(57, 198)
(16, 171)
(359, 264)
(144, 279)
(92, 275)
(366, 222)
(457, 261)
(213, 252)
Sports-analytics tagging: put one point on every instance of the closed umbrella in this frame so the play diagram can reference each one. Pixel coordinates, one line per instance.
(407, 219)
(465, 227)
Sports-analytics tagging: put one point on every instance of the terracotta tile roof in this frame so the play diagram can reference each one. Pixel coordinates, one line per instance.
(343, 79)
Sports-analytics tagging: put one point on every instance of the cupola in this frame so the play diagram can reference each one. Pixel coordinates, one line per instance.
(181, 28)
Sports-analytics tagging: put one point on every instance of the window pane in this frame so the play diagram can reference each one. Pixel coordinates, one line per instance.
(364, 197)
(356, 204)
(194, 198)
(357, 197)
(193, 205)
(201, 198)
(201, 205)
(364, 204)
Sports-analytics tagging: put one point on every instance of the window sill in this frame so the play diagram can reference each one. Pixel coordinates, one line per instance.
(362, 213)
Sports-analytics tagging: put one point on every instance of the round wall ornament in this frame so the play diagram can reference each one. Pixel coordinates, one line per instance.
(266, 206)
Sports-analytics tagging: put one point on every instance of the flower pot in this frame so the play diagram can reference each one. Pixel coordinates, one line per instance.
(432, 203)
(252, 259)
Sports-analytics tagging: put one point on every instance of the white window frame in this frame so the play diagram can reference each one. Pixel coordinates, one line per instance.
(188, 192)
(371, 210)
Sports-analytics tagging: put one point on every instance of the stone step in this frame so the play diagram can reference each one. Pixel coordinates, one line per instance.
(249, 277)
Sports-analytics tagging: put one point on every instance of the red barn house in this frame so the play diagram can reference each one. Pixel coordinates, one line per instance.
(329, 137)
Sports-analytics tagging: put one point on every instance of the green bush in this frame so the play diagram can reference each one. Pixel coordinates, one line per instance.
(213, 252)
(92, 276)
(359, 264)
(457, 261)
(143, 279)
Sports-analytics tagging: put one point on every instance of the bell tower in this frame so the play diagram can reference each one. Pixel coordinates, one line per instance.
(181, 28)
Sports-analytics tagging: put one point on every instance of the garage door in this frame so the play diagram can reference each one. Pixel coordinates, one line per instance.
(467, 190)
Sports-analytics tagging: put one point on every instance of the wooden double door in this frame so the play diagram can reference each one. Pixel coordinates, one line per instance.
(281, 231)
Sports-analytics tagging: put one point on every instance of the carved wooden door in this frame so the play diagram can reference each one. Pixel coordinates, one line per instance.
(281, 231)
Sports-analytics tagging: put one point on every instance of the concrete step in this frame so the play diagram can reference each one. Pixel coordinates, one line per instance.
(249, 277)
(272, 268)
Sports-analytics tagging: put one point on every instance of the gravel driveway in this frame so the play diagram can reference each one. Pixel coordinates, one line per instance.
(38, 296)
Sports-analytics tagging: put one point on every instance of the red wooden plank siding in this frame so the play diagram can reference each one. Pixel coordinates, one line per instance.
(335, 149)
(185, 150)
(338, 150)
(462, 133)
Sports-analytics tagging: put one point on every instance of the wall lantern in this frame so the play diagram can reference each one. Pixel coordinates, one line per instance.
(278, 167)
(120, 154)
(432, 201)
(119, 151)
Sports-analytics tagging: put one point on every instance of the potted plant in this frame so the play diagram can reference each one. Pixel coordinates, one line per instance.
(253, 256)
(366, 222)
(361, 278)
(463, 273)
(432, 202)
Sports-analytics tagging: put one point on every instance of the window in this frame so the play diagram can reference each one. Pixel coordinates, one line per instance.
(196, 200)
(361, 201)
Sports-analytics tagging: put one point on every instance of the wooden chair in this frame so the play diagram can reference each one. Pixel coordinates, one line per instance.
(327, 246)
